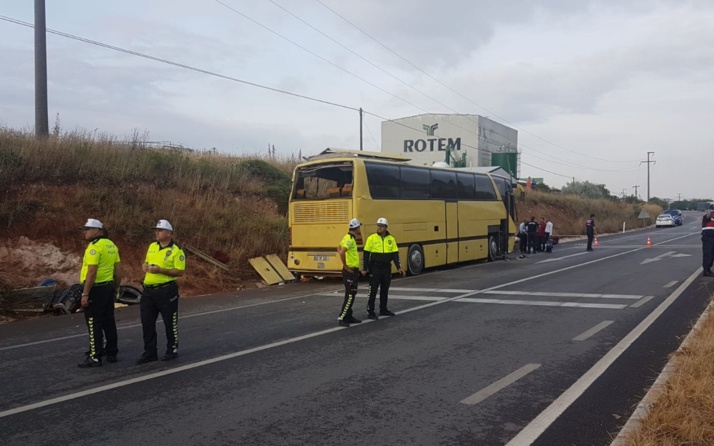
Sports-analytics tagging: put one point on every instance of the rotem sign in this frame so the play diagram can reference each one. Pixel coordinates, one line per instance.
(432, 144)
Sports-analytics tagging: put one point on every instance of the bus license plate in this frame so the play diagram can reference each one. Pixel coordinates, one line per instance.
(320, 258)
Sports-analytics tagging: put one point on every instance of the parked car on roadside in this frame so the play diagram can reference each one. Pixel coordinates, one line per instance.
(665, 220)
(677, 215)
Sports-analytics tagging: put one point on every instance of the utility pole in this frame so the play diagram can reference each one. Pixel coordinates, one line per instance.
(635, 187)
(360, 128)
(624, 191)
(42, 126)
(648, 173)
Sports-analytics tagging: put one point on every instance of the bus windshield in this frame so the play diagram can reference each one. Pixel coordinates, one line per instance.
(323, 181)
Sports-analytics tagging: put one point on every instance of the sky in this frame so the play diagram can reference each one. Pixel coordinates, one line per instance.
(591, 86)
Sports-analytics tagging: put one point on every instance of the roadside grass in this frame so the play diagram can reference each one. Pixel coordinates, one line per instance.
(569, 212)
(232, 204)
(683, 411)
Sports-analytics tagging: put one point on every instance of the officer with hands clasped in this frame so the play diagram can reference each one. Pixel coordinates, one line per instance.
(380, 250)
(590, 231)
(101, 276)
(708, 242)
(350, 272)
(164, 263)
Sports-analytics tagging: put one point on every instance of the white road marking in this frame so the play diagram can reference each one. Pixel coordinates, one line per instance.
(422, 298)
(659, 257)
(430, 290)
(556, 294)
(500, 384)
(332, 330)
(561, 258)
(671, 284)
(540, 423)
(642, 301)
(586, 334)
(545, 303)
(151, 376)
(183, 316)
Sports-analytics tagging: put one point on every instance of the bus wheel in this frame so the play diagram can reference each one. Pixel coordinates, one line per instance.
(492, 248)
(415, 260)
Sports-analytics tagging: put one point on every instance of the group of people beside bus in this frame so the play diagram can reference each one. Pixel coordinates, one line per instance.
(534, 236)
(101, 277)
(379, 252)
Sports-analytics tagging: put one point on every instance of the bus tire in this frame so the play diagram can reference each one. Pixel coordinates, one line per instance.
(493, 251)
(415, 260)
(129, 295)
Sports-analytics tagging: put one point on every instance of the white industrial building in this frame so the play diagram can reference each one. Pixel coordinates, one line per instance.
(473, 139)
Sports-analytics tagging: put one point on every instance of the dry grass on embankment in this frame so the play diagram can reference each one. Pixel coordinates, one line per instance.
(569, 212)
(235, 205)
(683, 411)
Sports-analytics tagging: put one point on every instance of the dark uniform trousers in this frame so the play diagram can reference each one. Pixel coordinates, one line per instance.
(99, 316)
(350, 280)
(164, 300)
(380, 276)
(707, 249)
(591, 236)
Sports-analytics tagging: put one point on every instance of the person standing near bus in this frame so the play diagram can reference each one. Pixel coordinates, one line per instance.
(164, 263)
(101, 276)
(708, 242)
(523, 236)
(590, 231)
(540, 235)
(350, 272)
(532, 227)
(548, 229)
(380, 250)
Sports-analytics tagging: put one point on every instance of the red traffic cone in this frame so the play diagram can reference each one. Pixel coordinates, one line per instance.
(595, 243)
(649, 242)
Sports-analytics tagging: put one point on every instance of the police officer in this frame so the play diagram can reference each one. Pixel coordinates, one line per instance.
(590, 231)
(380, 250)
(532, 228)
(164, 263)
(708, 242)
(101, 276)
(350, 272)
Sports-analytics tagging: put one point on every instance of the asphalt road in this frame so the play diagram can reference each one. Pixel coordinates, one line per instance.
(553, 349)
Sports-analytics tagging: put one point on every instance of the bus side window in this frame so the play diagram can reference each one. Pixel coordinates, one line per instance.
(300, 193)
(333, 192)
(347, 190)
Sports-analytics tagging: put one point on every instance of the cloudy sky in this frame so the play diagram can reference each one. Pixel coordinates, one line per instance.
(590, 85)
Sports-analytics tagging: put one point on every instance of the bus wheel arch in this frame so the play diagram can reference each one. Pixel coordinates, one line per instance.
(493, 248)
(415, 259)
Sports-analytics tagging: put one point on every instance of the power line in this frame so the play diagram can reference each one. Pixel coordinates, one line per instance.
(176, 64)
(230, 78)
(344, 69)
(455, 91)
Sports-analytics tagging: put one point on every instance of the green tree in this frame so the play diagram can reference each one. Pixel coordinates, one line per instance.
(586, 189)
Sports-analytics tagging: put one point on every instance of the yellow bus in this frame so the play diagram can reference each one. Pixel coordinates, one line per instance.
(439, 216)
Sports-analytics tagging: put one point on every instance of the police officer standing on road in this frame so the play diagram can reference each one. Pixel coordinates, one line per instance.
(380, 250)
(532, 228)
(350, 272)
(590, 231)
(101, 276)
(708, 242)
(164, 263)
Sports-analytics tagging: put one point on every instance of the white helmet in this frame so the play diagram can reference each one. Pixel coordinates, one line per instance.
(354, 223)
(382, 221)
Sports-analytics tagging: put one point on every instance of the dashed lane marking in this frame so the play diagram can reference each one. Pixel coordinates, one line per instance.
(588, 333)
(500, 384)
